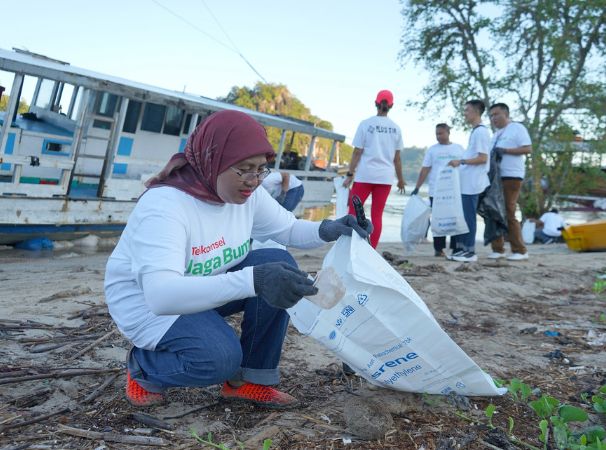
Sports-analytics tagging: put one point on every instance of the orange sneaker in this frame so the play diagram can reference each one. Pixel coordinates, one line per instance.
(259, 395)
(137, 395)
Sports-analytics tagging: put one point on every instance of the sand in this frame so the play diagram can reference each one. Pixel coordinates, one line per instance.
(498, 313)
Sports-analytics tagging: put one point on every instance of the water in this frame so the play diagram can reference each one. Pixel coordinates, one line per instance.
(392, 215)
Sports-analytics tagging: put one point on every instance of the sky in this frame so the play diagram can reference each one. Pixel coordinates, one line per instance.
(333, 55)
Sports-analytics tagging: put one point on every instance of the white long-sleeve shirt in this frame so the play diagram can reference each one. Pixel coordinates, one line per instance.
(174, 253)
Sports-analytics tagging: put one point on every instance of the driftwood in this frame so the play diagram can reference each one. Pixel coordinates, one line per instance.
(63, 374)
(151, 421)
(66, 294)
(191, 411)
(23, 423)
(113, 437)
(266, 433)
(91, 345)
(97, 392)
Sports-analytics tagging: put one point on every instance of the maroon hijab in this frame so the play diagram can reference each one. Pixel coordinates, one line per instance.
(222, 140)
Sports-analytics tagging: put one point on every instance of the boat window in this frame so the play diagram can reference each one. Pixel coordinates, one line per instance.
(186, 124)
(103, 124)
(153, 117)
(45, 94)
(133, 111)
(174, 119)
(63, 99)
(77, 104)
(106, 104)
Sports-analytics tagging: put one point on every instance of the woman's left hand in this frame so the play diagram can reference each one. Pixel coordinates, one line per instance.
(331, 230)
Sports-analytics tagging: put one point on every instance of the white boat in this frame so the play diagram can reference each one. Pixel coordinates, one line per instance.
(75, 163)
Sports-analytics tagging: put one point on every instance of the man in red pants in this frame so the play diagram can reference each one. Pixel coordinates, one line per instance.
(377, 145)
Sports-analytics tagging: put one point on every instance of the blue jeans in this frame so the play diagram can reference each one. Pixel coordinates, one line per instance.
(293, 197)
(202, 349)
(467, 241)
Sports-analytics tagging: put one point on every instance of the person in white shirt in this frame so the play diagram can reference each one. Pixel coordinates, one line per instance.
(287, 189)
(474, 167)
(437, 158)
(511, 142)
(549, 226)
(183, 263)
(376, 157)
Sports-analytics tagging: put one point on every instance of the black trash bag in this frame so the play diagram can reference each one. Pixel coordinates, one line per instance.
(491, 204)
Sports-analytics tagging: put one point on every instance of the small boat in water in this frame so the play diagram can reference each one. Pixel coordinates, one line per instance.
(75, 163)
(586, 237)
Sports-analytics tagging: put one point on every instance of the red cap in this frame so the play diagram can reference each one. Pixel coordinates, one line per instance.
(385, 95)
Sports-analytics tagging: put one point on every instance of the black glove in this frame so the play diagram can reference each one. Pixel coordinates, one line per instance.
(500, 152)
(330, 230)
(281, 285)
(280, 198)
(414, 192)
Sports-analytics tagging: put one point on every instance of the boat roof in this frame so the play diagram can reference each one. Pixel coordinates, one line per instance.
(28, 63)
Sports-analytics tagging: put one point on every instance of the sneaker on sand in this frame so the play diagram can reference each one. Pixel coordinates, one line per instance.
(496, 255)
(518, 257)
(466, 257)
(137, 395)
(259, 395)
(455, 253)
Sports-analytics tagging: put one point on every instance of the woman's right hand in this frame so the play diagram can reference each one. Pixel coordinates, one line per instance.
(281, 285)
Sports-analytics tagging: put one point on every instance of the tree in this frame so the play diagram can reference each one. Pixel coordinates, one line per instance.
(22, 108)
(546, 58)
(277, 99)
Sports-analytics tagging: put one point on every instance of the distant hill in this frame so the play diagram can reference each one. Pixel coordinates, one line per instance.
(412, 160)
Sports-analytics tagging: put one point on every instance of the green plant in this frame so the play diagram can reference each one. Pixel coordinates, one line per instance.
(489, 411)
(519, 391)
(599, 400)
(209, 441)
(510, 426)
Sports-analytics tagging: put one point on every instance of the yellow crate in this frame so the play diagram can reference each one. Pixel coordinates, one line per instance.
(586, 237)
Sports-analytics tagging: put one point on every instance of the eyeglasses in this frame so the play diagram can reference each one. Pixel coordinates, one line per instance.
(251, 176)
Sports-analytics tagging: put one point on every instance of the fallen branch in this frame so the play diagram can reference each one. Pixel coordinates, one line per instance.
(62, 374)
(113, 437)
(91, 345)
(97, 392)
(66, 294)
(191, 411)
(261, 436)
(151, 421)
(23, 423)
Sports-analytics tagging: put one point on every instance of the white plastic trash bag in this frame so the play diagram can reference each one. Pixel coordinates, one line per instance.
(415, 222)
(447, 217)
(528, 230)
(384, 331)
(341, 208)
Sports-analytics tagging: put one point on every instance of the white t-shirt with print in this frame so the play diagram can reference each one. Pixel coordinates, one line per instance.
(552, 222)
(437, 157)
(273, 183)
(171, 230)
(380, 138)
(514, 135)
(474, 177)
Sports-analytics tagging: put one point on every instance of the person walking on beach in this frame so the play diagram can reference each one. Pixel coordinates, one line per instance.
(377, 145)
(474, 166)
(511, 142)
(183, 264)
(437, 158)
(287, 189)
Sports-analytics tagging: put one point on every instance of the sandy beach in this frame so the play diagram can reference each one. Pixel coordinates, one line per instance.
(52, 310)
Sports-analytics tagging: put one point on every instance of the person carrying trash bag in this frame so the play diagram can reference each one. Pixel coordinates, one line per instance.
(436, 158)
(183, 264)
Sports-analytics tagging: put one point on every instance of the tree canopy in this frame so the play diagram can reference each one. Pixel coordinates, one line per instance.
(277, 99)
(545, 58)
(22, 108)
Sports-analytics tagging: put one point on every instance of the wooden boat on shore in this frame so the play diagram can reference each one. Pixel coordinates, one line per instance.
(75, 163)
(586, 237)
